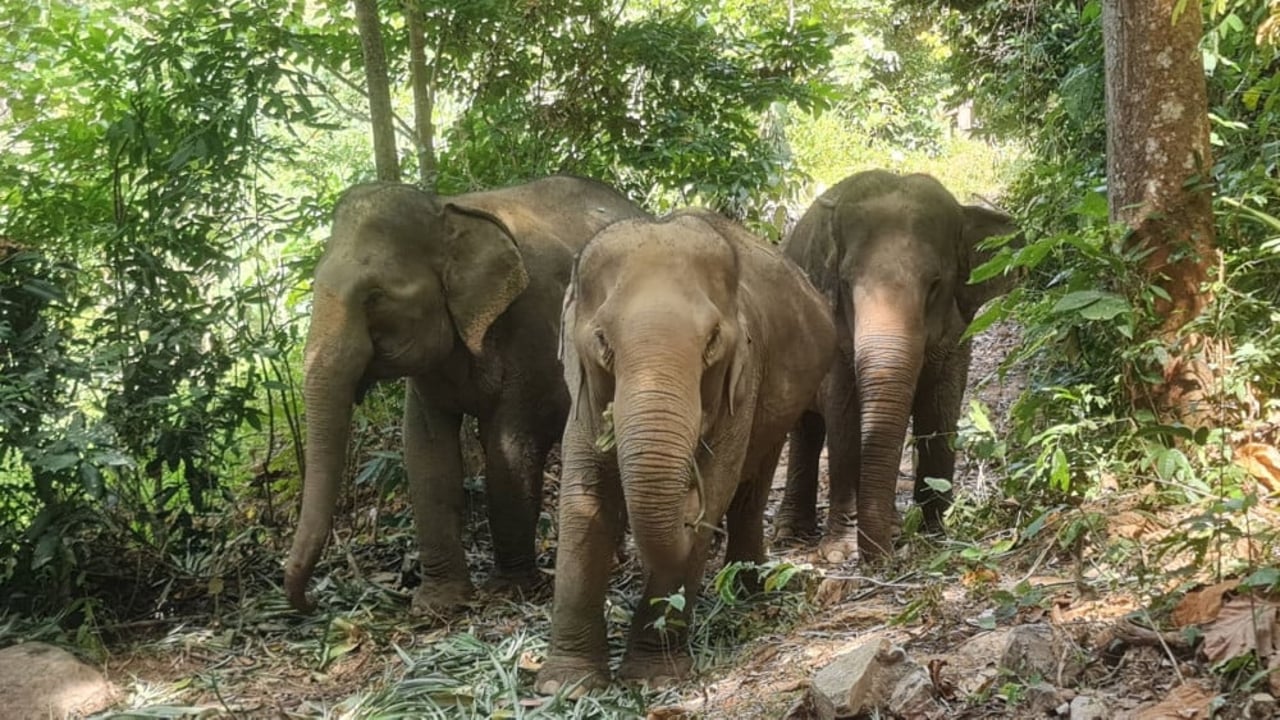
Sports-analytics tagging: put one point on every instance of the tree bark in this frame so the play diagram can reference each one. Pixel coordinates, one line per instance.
(375, 70)
(423, 95)
(1159, 169)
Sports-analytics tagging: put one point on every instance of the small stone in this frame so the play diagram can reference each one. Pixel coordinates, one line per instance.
(1089, 708)
(874, 677)
(1041, 697)
(38, 680)
(973, 666)
(1036, 651)
(1260, 706)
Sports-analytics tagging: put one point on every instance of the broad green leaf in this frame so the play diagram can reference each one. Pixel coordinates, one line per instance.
(1105, 308)
(985, 319)
(1093, 205)
(1078, 299)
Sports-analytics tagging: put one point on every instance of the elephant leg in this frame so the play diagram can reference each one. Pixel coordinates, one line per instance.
(433, 470)
(514, 459)
(745, 517)
(590, 529)
(935, 414)
(746, 511)
(797, 516)
(844, 458)
(658, 653)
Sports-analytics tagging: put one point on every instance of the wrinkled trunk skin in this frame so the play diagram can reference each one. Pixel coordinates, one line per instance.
(888, 355)
(656, 419)
(337, 353)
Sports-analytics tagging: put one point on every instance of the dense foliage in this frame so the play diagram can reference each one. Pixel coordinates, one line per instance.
(1035, 70)
(167, 188)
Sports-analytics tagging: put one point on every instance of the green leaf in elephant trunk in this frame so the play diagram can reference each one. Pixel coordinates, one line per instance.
(337, 353)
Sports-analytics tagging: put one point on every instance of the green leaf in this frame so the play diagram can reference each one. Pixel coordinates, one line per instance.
(1060, 471)
(1077, 300)
(978, 415)
(941, 485)
(779, 578)
(59, 461)
(1093, 205)
(997, 265)
(1263, 578)
(1105, 308)
(676, 601)
(1035, 526)
(985, 319)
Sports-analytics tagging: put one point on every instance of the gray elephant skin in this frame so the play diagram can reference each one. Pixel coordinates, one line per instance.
(462, 296)
(697, 346)
(893, 254)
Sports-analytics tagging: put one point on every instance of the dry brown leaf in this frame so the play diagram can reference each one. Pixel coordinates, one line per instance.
(1245, 624)
(1184, 702)
(1202, 606)
(1131, 524)
(1262, 461)
(979, 576)
(528, 661)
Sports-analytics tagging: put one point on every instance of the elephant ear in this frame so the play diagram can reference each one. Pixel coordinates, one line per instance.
(736, 379)
(979, 224)
(485, 272)
(814, 247)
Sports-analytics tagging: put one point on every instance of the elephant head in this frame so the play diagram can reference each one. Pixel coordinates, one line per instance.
(657, 332)
(893, 255)
(407, 280)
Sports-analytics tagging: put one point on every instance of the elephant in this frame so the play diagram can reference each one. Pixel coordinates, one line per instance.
(893, 255)
(690, 348)
(460, 295)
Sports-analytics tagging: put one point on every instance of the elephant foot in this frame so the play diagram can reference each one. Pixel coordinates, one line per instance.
(575, 676)
(657, 671)
(440, 597)
(791, 532)
(524, 585)
(837, 549)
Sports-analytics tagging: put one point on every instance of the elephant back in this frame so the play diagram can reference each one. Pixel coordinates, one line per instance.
(559, 212)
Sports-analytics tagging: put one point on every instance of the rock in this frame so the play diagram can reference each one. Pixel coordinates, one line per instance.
(1040, 698)
(1033, 651)
(38, 680)
(1261, 705)
(874, 677)
(1089, 708)
(973, 667)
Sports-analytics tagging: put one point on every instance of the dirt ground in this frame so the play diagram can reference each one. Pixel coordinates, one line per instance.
(259, 660)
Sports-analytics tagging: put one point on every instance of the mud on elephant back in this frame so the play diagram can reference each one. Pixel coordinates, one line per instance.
(690, 348)
(461, 295)
(893, 255)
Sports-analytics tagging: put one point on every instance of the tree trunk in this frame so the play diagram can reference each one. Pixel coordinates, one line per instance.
(375, 72)
(1159, 165)
(423, 95)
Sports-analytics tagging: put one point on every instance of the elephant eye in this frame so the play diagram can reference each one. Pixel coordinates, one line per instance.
(603, 348)
(713, 343)
(934, 287)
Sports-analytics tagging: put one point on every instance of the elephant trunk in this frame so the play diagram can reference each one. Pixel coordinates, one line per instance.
(657, 418)
(338, 351)
(887, 362)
